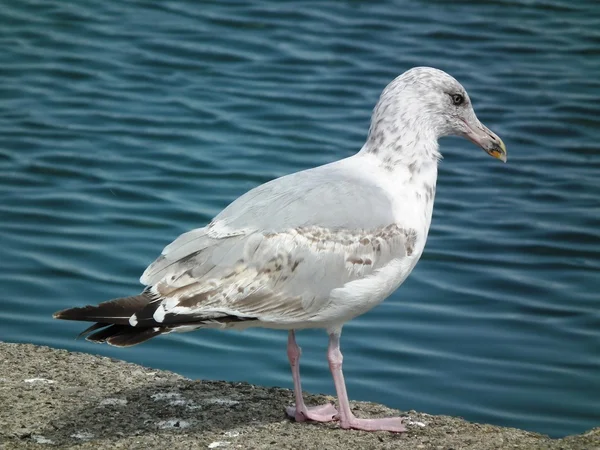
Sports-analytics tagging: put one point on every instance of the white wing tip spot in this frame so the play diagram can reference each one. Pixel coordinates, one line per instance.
(133, 321)
(159, 314)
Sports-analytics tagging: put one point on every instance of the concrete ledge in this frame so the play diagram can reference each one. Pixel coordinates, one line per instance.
(55, 398)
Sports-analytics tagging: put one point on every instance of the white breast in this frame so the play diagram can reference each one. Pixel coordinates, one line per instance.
(412, 195)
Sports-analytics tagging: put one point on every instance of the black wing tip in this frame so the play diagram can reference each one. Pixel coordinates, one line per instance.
(65, 314)
(83, 313)
(115, 311)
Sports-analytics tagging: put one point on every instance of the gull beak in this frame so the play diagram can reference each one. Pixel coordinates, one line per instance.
(486, 139)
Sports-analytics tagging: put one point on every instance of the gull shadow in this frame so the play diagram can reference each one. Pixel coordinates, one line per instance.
(208, 409)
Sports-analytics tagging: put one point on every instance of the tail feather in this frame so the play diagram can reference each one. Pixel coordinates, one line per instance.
(107, 331)
(124, 335)
(94, 327)
(134, 336)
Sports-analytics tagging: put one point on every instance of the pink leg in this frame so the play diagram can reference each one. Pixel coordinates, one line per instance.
(300, 412)
(347, 419)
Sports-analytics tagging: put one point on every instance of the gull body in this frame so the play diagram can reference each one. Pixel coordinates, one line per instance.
(354, 287)
(313, 249)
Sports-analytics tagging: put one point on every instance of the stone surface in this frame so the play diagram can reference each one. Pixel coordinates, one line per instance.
(55, 398)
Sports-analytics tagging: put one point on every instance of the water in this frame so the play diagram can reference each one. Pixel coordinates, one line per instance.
(124, 124)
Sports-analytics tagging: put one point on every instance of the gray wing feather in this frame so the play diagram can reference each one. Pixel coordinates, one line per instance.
(326, 196)
(277, 252)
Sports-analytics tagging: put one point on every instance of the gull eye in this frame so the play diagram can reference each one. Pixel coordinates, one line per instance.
(457, 99)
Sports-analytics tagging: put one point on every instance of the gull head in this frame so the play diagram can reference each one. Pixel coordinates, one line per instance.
(425, 104)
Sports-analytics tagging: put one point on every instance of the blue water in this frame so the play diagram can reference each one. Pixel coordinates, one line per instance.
(124, 124)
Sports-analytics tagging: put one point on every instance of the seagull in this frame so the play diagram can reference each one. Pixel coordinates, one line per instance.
(313, 249)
